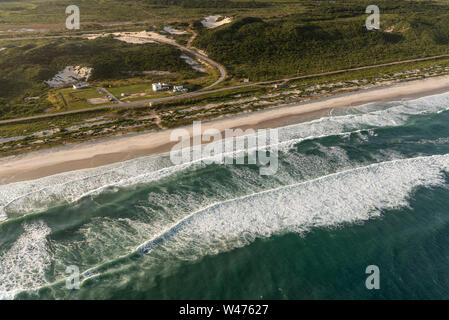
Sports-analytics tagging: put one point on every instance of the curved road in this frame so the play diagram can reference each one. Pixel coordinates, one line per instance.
(209, 61)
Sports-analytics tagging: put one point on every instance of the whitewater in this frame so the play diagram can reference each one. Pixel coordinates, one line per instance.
(334, 172)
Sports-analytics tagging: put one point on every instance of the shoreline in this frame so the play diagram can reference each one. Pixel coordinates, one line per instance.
(91, 154)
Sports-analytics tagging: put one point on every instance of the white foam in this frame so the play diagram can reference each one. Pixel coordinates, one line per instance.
(345, 197)
(348, 196)
(372, 115)
(31, 196)
(23, 266)
(36, 195)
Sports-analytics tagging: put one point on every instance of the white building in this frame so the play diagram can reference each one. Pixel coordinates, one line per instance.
(180, 89)
(160, 87)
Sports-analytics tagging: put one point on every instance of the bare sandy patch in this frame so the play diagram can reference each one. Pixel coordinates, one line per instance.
(70, 75)
(101, 100)
(174, 31)
(140, 37)
(212, 22)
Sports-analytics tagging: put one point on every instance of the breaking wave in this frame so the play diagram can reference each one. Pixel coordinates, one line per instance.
(23, 266)
(20, 198)
(344, 197)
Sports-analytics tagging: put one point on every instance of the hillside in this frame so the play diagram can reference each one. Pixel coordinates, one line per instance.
(329, 37)
(26, 66)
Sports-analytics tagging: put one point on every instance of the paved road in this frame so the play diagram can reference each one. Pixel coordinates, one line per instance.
(209, 61)
(220, 68)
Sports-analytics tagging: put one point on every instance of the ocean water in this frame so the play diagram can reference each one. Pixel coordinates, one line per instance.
(367, 186)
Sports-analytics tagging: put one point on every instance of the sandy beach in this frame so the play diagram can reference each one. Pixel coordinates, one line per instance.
(43, 163)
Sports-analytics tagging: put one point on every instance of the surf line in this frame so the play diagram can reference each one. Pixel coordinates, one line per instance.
(170, 231)
(157, 174)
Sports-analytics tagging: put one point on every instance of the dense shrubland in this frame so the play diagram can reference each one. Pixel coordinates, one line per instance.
(330, 36)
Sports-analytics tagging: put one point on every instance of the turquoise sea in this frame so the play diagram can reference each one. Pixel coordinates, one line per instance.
(367, 186)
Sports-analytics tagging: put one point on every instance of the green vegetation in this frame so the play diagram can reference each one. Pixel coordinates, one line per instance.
(116, 60)
(267, 40)
(53, 11)
(76, 99)
(98, 12)
(26, 65)
(210, 98)
(46, 133)
(397, 72)
(218, 4)
(94, 124)
(329, 36)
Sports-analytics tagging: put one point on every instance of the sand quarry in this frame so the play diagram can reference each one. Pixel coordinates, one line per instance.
(70, 75)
